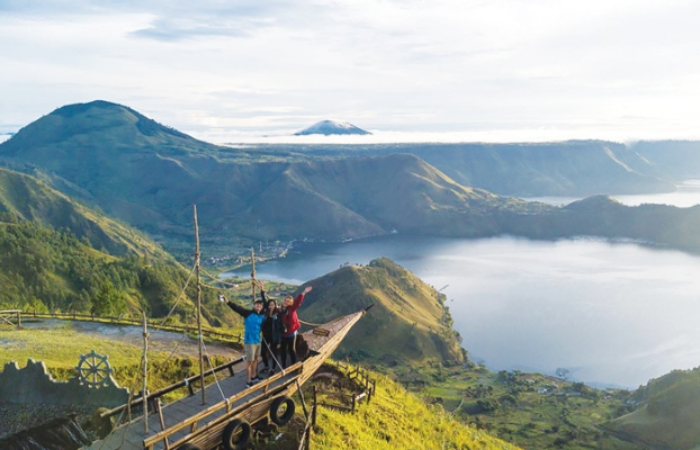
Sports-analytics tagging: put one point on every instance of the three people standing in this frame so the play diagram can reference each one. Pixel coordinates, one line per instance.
(279, 329)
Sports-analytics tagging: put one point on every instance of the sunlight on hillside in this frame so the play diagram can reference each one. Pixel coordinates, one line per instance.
(397, 419)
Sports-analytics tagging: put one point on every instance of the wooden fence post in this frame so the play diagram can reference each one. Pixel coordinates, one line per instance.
(313, 414)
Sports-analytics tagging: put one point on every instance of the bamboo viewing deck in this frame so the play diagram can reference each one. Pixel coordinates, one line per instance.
(189, 424)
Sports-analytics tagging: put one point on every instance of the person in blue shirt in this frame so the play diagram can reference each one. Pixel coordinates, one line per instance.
(252, 321)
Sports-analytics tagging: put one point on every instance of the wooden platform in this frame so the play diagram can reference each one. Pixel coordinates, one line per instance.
(189, 421)
(132, 435)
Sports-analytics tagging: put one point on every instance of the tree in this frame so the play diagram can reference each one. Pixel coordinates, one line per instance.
(108, 301)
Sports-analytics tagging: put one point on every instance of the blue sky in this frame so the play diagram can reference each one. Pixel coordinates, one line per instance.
(233, 71)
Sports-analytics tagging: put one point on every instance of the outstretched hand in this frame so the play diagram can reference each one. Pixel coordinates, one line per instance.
(307, 290)
(260, 285)
(222, 298)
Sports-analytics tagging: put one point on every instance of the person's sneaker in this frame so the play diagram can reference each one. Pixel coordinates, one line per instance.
(272, 372)
(264, 369)
(255, 379)
(249, 383)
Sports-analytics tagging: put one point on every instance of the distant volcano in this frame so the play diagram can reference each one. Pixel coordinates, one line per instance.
(331, 127)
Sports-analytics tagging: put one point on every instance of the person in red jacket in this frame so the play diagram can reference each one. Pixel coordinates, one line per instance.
(290, 326)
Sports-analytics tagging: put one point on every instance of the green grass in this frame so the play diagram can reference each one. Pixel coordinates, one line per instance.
(60, 349)
(394, 419)
(515, 407)
(397, 419)
(669, 415)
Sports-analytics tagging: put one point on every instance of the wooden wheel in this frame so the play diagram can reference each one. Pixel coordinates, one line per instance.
(93, 369)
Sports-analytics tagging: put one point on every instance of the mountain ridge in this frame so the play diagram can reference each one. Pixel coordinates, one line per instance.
(152, 180)
(330, 127)
(150, 176)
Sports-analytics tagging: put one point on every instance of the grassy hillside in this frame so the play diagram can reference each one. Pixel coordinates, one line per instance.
(397, 419)
(408, 325)
(27, 199)
(669, 413)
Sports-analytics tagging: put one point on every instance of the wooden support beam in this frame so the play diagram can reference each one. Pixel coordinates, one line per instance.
(303, 402)
(224, 404)
(313, 414)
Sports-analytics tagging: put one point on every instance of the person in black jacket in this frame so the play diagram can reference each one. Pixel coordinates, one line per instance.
(272, 336)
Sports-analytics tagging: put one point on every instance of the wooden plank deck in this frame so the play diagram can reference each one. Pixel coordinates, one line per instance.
(183, 417)
(132, 435)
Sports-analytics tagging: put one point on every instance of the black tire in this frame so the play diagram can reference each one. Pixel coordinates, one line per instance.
(288, 412)
(236, 435)
(189, 447)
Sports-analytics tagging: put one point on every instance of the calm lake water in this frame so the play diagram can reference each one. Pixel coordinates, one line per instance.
(614, 314)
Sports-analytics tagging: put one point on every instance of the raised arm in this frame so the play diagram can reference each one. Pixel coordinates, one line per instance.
(300, 298)
(245, 312)
(262, 293)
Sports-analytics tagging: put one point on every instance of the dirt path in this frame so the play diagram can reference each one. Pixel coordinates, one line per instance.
(158, 341)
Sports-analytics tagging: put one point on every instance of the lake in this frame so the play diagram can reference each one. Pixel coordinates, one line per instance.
(613, 314)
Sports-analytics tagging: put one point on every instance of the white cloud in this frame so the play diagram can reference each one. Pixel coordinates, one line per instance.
(241, 69)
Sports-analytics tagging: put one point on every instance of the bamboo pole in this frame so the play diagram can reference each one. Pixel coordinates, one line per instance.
(303, 402)
(199, 308)
(313, 414)
(252, 274)
(145, 373)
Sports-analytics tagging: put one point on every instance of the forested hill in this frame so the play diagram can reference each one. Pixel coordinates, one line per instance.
(97, 126)
(42, 269)
(25, 198)
(58, 255)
